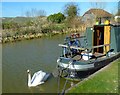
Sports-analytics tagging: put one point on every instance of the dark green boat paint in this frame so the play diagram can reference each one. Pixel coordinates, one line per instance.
(114, 37)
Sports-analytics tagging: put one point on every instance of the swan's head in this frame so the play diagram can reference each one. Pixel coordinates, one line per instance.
(28, 71)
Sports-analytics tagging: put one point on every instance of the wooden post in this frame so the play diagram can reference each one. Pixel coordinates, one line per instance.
(107, 37)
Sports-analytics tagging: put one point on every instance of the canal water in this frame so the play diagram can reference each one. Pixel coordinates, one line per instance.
(35, 55)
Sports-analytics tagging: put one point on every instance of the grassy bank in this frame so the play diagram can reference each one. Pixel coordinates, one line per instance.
(104, 81)
(26, 28)
(19, 37)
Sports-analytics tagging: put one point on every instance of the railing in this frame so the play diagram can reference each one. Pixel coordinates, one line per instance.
(72, 47)
(80, 48)
(100, 46)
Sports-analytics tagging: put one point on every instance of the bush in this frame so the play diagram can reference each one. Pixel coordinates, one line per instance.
(10, 25)
(46, 30)
(57, 18)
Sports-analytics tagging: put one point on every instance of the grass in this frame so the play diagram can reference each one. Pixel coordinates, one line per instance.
(104, 81)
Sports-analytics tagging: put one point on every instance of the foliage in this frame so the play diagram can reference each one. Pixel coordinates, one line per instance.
(57, 18)
(10, 25)
(29, 23)
(57, 27)
(118, 13)
(71, 10)
(73, 23)
(20, 20)
(53, 27)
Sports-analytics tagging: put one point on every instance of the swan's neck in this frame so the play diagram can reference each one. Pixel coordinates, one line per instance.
(29, 79)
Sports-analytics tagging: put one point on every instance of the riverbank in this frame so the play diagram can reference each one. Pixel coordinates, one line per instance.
(103, 81)
(25, 37)
(30, 36)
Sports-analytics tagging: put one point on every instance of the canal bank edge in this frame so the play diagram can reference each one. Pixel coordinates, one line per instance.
(34, 36)
(75, 87)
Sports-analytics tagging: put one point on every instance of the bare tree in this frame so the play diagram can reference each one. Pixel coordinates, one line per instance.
(71, 10)
(37, 19)
(35, 13)
(28, 14)
(118, 10)
(98, 4)
(41, 13)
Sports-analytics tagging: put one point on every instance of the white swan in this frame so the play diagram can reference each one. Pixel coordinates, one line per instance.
(37, 79)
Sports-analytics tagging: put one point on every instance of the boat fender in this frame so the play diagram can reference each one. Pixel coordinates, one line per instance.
(58, 60)
(110, 52)
(86, 56)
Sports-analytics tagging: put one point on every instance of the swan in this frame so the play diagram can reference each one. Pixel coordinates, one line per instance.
(37, 79)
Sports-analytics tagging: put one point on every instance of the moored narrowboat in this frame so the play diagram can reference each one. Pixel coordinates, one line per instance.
(97, 48)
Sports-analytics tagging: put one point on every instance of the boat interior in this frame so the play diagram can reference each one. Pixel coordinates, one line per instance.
(100, 48)
(83, 56)
(101, 36)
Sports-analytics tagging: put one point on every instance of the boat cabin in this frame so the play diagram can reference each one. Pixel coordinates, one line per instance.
(99, 41)
(106, 37)
(100, 47)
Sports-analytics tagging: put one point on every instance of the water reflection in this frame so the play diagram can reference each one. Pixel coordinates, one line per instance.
(35, 55)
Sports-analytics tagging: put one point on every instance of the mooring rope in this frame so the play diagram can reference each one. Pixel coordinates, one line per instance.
(63, 90)
(59, 74)
(58, 80)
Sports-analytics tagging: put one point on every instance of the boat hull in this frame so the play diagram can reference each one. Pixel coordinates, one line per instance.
(73, 65)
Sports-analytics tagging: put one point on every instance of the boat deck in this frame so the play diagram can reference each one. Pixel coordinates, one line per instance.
(93, 57)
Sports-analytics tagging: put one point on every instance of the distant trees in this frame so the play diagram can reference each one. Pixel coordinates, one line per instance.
(98, 4)
(118, 13)
(118, 10)
(57, 18)
(29, 23)
(35, 13)
(10, 25)
(72, 11)
(37, 21)
(117, 18)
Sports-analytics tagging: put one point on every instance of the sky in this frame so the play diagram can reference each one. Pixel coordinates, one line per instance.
(14, 9)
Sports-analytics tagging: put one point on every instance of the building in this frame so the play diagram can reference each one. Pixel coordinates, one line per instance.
(92, 15)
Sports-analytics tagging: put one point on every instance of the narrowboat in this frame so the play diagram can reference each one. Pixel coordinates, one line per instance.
(99, 46)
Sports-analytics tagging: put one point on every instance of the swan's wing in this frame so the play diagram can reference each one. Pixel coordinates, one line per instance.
(46, 77)
(41, 76)
(34, 76)
(37, 77)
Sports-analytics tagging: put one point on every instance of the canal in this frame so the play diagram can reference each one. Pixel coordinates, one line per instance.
(36, 54)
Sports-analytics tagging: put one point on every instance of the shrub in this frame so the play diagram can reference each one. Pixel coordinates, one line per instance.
(57, 18)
